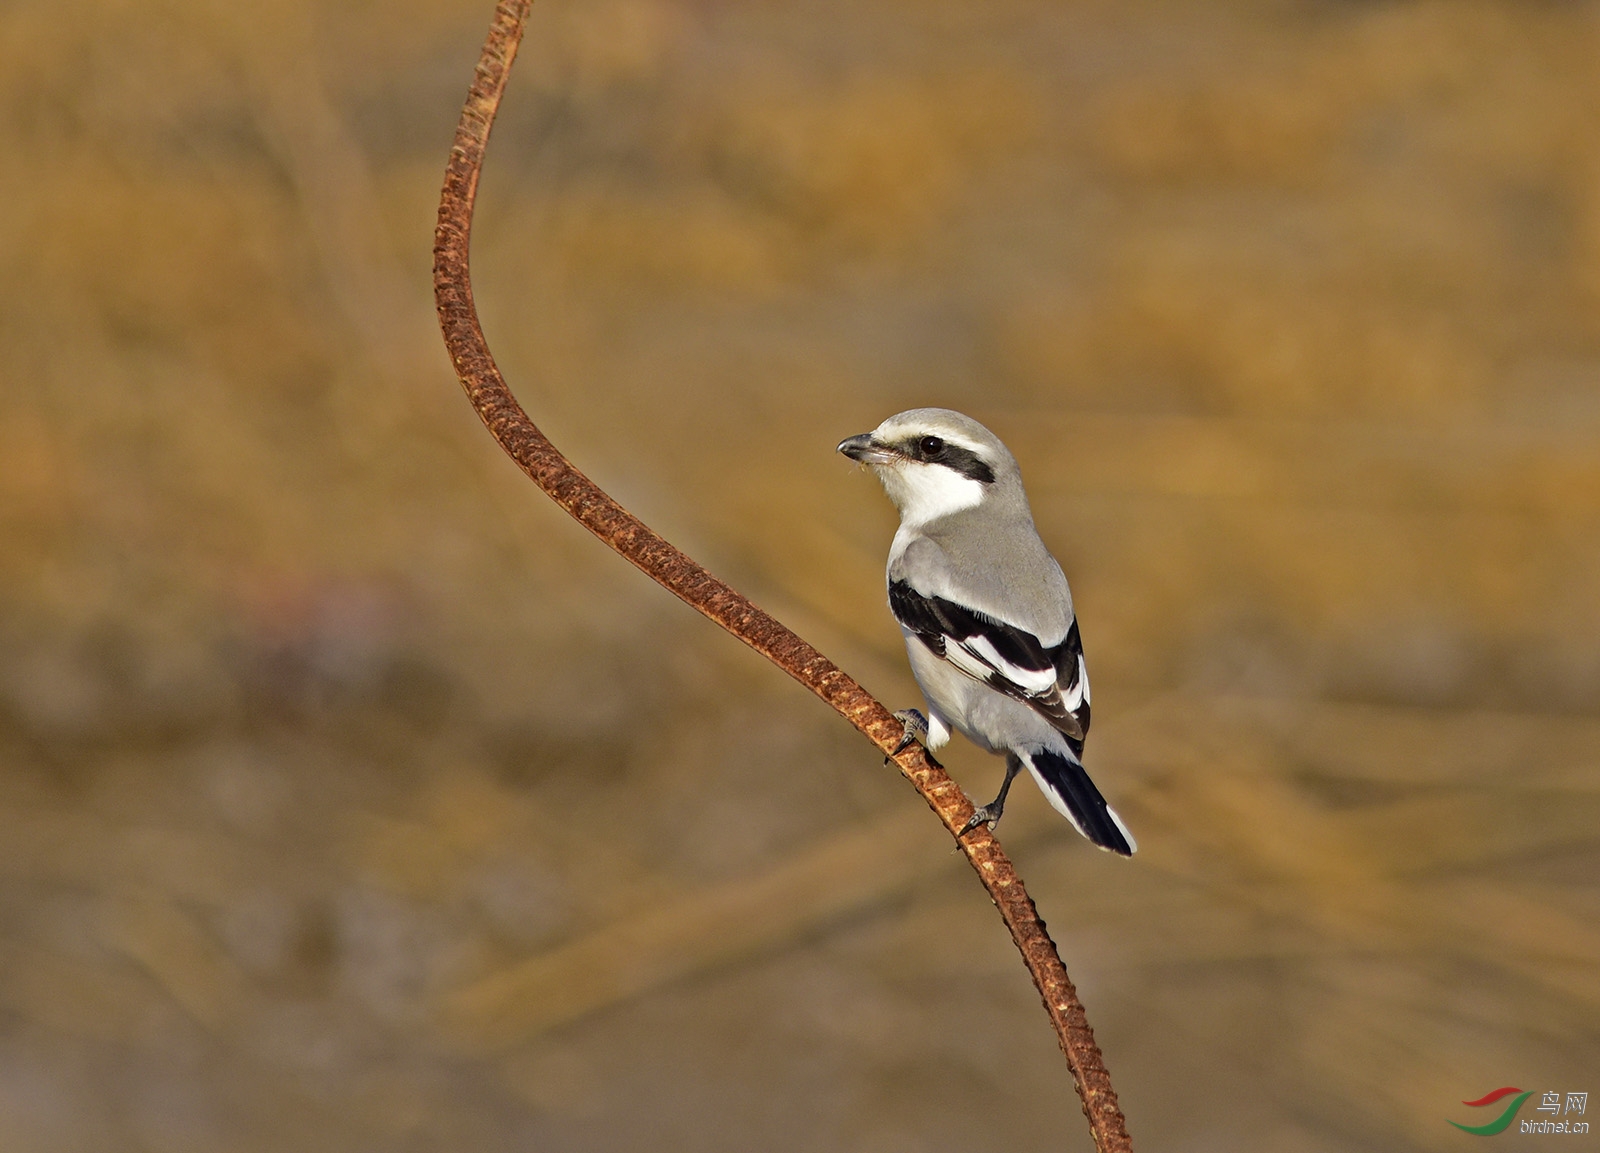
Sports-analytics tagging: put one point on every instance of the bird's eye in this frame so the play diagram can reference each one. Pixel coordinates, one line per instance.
(931, 445)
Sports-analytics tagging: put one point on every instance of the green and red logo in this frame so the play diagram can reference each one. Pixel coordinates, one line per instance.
(1552, 1101)
(1502, 1122)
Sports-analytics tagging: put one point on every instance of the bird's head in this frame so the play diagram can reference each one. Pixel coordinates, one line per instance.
(934, 462)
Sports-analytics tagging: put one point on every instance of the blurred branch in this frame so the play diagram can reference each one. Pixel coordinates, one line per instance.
(847, 872)
(333, 181)
(1306, 873)
(630, 537)
(747, 916)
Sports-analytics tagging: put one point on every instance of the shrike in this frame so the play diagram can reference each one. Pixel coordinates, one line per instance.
(986, 612)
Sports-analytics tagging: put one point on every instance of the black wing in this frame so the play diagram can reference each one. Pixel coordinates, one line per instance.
(1052, 681)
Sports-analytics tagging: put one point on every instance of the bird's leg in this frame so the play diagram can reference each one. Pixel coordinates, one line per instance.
(990, 814)
(916, 730)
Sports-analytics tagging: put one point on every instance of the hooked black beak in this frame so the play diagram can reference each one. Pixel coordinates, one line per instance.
(866, 450)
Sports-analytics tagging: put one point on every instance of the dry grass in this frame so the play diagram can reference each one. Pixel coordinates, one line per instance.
(1289, 311)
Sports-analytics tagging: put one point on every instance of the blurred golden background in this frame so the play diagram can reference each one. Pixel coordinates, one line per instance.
(354, 799)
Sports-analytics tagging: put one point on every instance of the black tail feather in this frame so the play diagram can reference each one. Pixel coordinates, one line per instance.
(1071, 791)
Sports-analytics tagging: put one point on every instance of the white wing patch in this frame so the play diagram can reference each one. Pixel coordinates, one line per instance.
(965, 659)
(1078, 692)
(1032, 681)
(1009, 659)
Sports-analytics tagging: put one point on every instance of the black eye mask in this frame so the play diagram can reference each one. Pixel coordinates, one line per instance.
(934, 450)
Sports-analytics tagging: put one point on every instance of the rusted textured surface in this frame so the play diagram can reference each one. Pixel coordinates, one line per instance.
(658, 559)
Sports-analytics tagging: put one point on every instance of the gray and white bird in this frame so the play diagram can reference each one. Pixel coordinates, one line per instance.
(986, 612)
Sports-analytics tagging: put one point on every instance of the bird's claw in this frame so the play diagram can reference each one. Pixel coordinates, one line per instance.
(916, 729)
(982, 815)
(915, 732)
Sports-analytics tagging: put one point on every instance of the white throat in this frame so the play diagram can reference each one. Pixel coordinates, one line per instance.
(926, 492)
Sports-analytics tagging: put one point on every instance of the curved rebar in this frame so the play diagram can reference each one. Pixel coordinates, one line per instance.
(635, 541)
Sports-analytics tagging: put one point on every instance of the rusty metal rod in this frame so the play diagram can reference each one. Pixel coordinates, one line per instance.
(630, 537)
